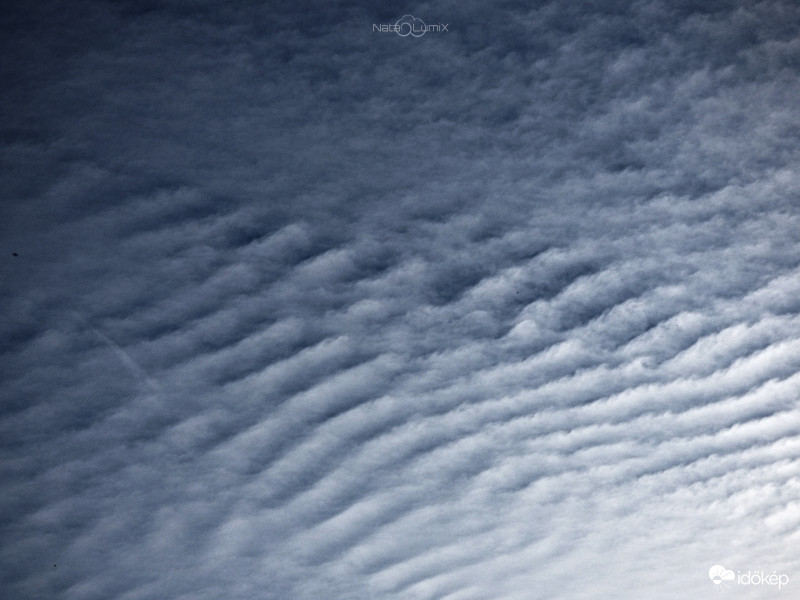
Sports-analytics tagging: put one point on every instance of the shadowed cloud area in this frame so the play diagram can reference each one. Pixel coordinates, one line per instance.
(296, 309)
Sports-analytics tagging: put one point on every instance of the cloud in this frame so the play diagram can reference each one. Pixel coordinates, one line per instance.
(296, 309)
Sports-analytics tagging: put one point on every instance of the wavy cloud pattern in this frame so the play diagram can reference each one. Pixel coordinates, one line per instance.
(296, 310)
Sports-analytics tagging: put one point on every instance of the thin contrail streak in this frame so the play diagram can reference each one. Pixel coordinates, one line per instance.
(135, 368)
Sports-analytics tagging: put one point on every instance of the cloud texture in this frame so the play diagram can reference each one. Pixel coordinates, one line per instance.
(296, 309)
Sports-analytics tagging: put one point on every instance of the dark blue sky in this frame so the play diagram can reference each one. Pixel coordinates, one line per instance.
(297, 309)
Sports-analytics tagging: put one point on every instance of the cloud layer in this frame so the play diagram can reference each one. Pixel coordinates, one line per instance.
(296, 309)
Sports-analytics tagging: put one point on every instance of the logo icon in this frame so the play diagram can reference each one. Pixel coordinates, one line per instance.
(719, 574)
(410, 25)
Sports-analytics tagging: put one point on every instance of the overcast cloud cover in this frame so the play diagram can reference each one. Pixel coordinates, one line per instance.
(293, 309)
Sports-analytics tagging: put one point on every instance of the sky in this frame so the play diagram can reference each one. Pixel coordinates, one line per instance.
(298, 304)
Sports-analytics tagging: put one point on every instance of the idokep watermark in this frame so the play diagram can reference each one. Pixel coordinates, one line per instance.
(722, 577)
(409, 25)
